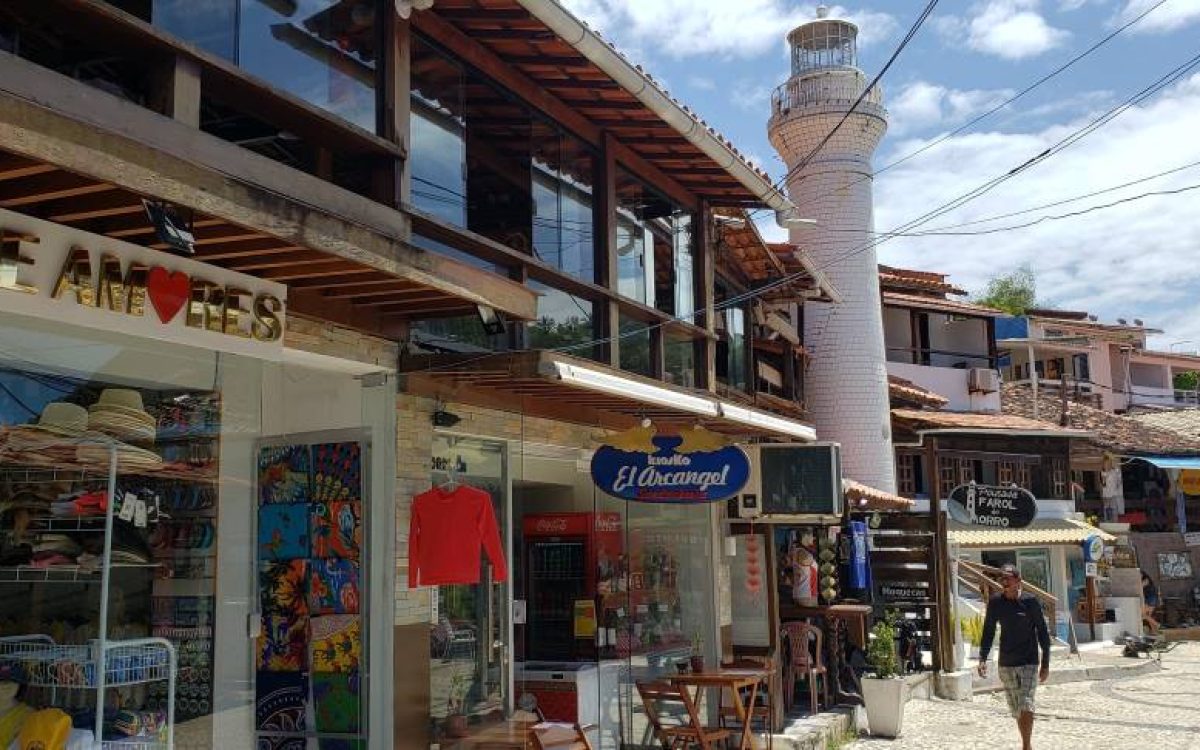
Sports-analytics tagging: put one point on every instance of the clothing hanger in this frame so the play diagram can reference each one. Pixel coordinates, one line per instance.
(451, 483)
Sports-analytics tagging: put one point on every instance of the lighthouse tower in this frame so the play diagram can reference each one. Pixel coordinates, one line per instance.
(846, 380)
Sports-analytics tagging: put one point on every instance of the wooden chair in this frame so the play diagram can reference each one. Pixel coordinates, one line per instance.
(559, 737)
(673, 737)
(804, 665)
(764, 708)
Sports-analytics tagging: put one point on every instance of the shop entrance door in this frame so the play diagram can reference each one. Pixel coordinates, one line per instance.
(470, 661)
(1034, 565)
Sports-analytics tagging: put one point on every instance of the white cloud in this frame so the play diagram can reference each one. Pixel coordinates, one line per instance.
(752, 98)
(1011, 29)
(702, 83)
(686, 28)
(1169, 17)
(1135, 260)
(922, 105)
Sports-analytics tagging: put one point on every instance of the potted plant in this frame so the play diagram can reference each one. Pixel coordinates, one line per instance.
(884, 693)
(456, 706)
(697, 658)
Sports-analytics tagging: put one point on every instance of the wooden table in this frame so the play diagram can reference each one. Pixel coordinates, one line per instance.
(511, 735)
(733, 680)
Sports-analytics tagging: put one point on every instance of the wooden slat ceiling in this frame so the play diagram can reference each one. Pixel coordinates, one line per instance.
(317, 282)
(508, 31)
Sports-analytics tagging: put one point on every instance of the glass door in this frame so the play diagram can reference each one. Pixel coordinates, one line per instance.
(1034, 565)
(470, 662)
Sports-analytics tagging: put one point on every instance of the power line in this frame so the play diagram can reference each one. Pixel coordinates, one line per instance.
(980, 118)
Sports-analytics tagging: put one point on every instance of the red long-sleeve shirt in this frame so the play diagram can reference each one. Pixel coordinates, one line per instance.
(445, 534)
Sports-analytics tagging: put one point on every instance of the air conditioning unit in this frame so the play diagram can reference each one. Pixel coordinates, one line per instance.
(981, 380)
(793, 479)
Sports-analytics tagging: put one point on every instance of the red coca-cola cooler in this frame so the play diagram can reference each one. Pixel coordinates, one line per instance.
(569, 558)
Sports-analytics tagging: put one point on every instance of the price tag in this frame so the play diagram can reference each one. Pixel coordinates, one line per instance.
(139, 519)
(1091, 569)
(128, 506)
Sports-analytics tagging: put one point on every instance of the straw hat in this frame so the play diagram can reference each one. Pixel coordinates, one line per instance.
(62, 418)
(121, 413)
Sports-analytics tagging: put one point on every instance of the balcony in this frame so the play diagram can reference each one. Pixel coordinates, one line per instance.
(951, 382)
(827, 89)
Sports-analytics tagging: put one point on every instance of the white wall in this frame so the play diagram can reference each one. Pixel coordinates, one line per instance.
(967, 336)
(949, 382)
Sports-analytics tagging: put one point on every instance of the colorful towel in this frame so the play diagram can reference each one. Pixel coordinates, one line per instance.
(284, 587)
(333, 587)
(337, 700)
(284, 474)
(283, 643)
(337, 471)
(282, 532)
(337, 529)
(281, 701)
(336, 643)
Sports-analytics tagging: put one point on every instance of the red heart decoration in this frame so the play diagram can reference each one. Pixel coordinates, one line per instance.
(168, 292)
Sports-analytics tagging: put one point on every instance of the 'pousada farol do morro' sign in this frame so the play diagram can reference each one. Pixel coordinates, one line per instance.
(695, 466)
(986, 505)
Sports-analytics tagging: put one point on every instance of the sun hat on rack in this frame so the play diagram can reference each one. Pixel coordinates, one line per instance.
(60, 418)
(120, 412)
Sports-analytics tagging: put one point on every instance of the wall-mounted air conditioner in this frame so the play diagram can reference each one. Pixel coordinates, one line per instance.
(793, 479)
(981, 380)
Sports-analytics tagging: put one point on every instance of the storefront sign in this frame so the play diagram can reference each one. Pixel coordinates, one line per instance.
(55, 272)
(1189, 481)
(663, 473)
(987, 505)
(903, 592)
(1192, 539)
(1091, 569)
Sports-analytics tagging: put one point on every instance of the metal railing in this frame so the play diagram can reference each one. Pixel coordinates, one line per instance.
(985, 581)
(940, 358)
(815, 90)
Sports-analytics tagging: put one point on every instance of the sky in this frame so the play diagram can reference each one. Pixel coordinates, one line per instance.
(1137, 260)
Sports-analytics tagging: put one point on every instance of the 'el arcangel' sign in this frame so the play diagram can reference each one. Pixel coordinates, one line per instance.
(996, 507)
(694, 466)
(59, 273)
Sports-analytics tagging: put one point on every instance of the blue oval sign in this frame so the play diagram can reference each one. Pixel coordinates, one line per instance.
(669, 476)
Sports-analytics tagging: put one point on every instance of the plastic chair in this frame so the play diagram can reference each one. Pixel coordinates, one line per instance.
(804, 664)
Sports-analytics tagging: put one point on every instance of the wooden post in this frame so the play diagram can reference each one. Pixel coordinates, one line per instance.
(1062, 419)
(605, 215)
(1089, 596)
(705, 282)
(944, 653)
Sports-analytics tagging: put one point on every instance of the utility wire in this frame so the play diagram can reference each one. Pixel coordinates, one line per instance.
(980, 118)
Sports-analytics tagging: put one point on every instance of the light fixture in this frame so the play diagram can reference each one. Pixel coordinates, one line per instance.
(766, 421)
(404, 8)
(734, 222)
(171, 228)
(603, 382)
(443, 418)
(492, 321)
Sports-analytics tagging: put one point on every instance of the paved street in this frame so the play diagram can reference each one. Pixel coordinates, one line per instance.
(1158, 710)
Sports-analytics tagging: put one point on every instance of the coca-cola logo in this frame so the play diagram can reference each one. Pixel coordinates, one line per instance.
(608, 523)
(552, 525)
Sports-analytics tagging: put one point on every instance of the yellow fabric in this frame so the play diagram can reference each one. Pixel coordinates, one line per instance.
(47, 729)
(11, 721)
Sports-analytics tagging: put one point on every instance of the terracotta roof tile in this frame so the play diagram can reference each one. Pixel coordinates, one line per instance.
(1186, 422)
(1041, 531)
(957, 420)
(891, 277)
(940, 304)
(900, 389)
(862, 497)
(1112, 432)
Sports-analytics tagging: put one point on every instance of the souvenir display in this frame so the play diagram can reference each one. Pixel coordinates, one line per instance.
(337, 529)
(285, 475)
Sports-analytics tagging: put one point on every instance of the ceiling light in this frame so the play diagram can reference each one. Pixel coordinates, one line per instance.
(766, 421)
(603, 382)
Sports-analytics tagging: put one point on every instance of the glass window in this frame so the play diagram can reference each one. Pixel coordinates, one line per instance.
(654, 249)
(563, 172)
(731, 349)
(438, 154)
(564, 322)
(635, 347)
(323, 51)
(681, 361)
(214, 28)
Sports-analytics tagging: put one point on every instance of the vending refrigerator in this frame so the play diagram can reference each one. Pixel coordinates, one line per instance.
(569, 558)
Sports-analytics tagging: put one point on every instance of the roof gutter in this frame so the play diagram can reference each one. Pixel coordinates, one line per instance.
(559, 20)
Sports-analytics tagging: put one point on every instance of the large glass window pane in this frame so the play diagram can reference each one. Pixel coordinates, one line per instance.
(654, 249)
(563, 322)
(680, 357)
(563, 169)
(685, 283)
(438, 156)
(210, 25)
(323, 51)
(635, 347)
(731, 349)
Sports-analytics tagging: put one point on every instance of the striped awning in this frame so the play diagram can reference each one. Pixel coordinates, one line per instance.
(1041, 531)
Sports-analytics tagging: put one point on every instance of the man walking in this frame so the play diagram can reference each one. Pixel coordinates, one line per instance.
(1022, 631)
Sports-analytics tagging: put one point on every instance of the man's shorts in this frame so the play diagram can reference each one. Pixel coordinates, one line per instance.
(1020, 684)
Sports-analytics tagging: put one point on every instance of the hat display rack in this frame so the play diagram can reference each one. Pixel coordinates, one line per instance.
(107, 449)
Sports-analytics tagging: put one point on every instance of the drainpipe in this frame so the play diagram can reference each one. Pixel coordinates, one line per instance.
(628, 77)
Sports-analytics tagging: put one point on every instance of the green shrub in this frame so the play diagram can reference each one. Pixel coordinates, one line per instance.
(881, 651)
(972, 628)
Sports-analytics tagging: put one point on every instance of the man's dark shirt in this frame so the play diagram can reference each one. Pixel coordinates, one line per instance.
(1022, 630)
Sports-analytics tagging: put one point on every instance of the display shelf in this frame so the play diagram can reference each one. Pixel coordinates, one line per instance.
(20, 469)
(39, 661)
(62, 573)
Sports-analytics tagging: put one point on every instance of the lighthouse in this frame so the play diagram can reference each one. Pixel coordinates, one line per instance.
(829, 180)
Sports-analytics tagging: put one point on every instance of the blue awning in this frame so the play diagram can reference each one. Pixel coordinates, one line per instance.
(1172, 462)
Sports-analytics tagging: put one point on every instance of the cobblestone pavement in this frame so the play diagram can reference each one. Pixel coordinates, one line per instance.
(1156, 711)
